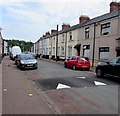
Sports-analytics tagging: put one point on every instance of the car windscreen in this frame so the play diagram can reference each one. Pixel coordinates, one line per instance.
(83, 59)
(26, 57)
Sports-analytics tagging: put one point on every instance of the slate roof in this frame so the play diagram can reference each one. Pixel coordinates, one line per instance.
(106, 16)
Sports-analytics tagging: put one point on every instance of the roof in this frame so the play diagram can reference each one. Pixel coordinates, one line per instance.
(106, 16)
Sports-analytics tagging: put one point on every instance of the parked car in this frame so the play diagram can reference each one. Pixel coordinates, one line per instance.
(34, 55)
(77, 62)
(111, 67)
(26, 61)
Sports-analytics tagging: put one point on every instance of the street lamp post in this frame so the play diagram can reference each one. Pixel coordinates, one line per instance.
(93, 45)
(57, 44)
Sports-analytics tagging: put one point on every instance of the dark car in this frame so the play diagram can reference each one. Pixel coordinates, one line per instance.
(111, 67)
(26, 61)
(77, 62)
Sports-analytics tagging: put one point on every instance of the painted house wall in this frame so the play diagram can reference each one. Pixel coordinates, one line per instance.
(100, 40)
(0, 44)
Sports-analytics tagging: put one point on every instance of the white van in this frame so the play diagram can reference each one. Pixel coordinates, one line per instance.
(16, 50)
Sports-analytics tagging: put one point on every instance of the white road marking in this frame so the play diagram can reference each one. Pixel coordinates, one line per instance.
(99, 83)
(81, 77)
(62, 86)
(30, 94)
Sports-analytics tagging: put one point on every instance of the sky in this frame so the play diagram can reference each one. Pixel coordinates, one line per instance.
(29, 20)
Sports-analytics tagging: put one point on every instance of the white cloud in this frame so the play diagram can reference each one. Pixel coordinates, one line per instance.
(30, 19)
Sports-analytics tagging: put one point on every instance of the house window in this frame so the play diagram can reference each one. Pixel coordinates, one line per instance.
(86, 50)
(63, 38)
(58, 51)
(49, 42)
(103, 52)
(62, 51)
(53, 50)
(69, 51)
(105, 29)
(54, 40)
(49, 51)
(86, 32)
(70, 34)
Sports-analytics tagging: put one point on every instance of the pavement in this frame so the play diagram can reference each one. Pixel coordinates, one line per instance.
(19, 95)
(62, 63)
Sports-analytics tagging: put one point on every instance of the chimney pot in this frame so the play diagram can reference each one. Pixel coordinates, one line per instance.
(53, 31)
(114, 6)
(65, 26)
(83, 18)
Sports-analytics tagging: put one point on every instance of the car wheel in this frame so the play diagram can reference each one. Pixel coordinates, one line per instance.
(74, 67)
(88, 69)
(65, 65)
(36, 67)
(99, 73)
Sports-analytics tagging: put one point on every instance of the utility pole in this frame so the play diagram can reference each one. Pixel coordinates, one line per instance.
(65, 44)
(93, 45)
(57, 44)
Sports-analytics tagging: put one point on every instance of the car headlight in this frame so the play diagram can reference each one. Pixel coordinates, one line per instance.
(22, 62)
(99, 63)
(35, 61)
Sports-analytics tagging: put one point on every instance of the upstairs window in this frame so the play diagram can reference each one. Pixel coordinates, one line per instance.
(87, 33)
(63, 38)
(62, 51)
(69, 51)
(105, 29)
(54, 40)
(70, 35)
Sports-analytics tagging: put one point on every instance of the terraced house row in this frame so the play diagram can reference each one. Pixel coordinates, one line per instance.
(3, 46)
(97, 38)
(1, 43)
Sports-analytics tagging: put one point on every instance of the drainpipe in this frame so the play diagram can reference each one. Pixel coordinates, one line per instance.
(65, 45)
(119, 20)
(93, 46)
(57, 43)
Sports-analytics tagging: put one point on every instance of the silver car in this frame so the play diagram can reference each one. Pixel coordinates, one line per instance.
(26, 61)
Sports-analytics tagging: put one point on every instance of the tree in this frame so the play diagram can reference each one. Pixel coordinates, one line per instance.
(25, 46)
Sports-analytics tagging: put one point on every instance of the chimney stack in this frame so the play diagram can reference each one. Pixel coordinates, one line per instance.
(65, 26)
(47, 33)
(114, 6)
(83, 18)
(53, 31)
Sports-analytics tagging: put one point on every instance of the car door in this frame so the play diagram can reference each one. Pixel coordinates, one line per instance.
(112, 67)
(117, 68)
(73, 61)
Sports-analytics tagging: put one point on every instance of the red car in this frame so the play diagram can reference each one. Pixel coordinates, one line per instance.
(77, 62)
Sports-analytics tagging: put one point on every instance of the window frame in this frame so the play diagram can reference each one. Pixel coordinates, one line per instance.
(87, 32)
(105, 49)
(70, 36)
(106, 28)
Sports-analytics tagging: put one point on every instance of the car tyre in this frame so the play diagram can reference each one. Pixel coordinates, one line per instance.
(74, 67)
(99, 73)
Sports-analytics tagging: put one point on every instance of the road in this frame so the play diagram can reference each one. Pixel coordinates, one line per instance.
(54, 89)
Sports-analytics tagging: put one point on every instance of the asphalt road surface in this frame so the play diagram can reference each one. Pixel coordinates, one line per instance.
(65, 91)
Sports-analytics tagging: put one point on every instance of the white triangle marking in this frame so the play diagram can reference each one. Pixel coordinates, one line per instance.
(81, 77)
(99, 83)
(61, 86)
